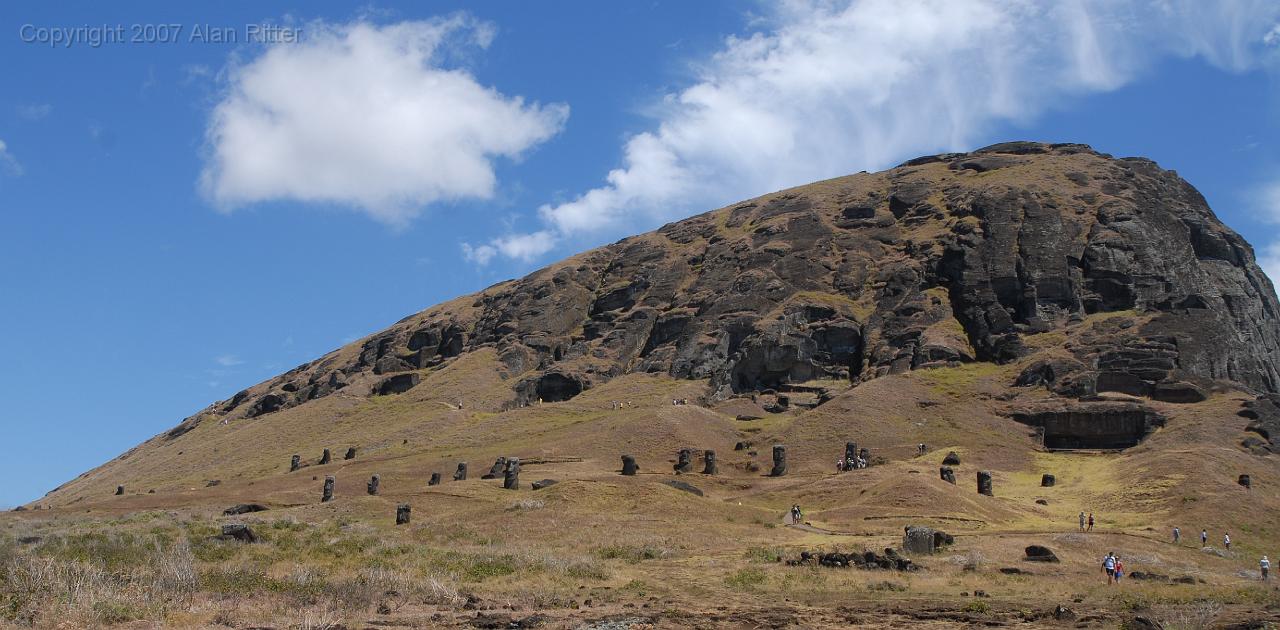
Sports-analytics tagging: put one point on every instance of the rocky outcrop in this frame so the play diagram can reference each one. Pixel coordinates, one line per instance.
(943, 260)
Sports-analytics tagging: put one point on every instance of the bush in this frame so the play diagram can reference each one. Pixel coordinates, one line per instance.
(746, 579)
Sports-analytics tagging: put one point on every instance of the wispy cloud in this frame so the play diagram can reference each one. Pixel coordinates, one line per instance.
(35, 111)
(228, 360)
(368, 116)
(9, 165)
(830, 87)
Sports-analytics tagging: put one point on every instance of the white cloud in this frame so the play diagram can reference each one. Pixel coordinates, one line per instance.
(522, 247)
(1270, 262)
(830, 87)
(228, 360)
(1268, 202)
(366, 116)
(36, 111)
(9, 165)
(1273, 38)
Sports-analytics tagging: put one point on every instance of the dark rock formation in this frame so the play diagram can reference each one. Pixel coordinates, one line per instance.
(686, 487)
(984, 483)
(351, 453)
(946, 474)
(499, 465)
(434, 480)
(511, 474)
(1264, 416)
(403, 514)
(238, 532)
(1047, 481)
(1091, 425)
(741, 446)
(1039, 553)
(544, 483)
(779, 461)
(866, 560)
(461, 473)
(295, 463)
(993, 245)
(709, 462)
(374, 482)
(244, 508)
(324, 457)
(1245, 481)
(684, 461)
(629, 466)
(327, 496)
(951, 459)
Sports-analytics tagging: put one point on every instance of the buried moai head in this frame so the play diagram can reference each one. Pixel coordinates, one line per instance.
(1048, 481)
(946, 474)
(1245, 481)
(327, 496)
(709, 463)
(461, 473)
(325, 457)
(295, 463)
(435, 479)
(629, 466)
(351, 453)
(119, 490)
(403, 514)
(952, 459)
(511, 474)
(850, 451)
(984, 483)
(779, 461)
(684, 461)
(374, 482)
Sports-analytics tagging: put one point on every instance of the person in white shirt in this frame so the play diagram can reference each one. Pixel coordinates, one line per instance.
(1226, 541)
(1265, 565)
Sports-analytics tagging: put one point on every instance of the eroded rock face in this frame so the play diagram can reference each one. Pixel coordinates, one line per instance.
(946, 259)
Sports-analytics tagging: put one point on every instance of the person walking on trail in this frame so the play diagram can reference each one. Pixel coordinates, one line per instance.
(1109, 567)
(1226, 541)
(1177, 535)
(1204, 538)
(1082, 521)
(1119, 569)
(1265, 566)
(1090, 528)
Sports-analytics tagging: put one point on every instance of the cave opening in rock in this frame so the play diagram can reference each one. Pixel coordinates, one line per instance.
(1107, 429)
(557, 387)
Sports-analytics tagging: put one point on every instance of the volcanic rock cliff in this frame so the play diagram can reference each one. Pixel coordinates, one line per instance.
(945, 259)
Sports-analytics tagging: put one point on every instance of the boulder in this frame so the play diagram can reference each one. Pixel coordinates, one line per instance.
(351, 453)
(239, 532)
(435, 479)
(1039, 553)
(244, 508)
(544, 483)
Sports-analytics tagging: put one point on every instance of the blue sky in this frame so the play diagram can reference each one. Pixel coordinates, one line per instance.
(182, 219)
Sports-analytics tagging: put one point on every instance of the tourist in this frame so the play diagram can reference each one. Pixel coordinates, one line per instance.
(1090, 528)
(1177, 535)
(840, 465)
(1204, 538)
(1119, 569)
(1265, 565)
(1109, 566)
(1226, 541)
(1081, 521)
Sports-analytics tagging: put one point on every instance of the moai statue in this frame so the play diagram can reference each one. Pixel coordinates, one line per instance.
(499, 465)
(709, 457)
(373, 484)
(435, 479)
(850, 451)
(1245, 481)
(946, 474)
(461, 473)
(684, 461)
(403, 512)
(351, 453)
(918, 540)
(511, 475)
(865, 454)
(328, 489)
(1047, 481)
(984, 483)
(119, 490)
(779, 461)
(295, 463)
(629, 466)
(325, 457)
(951, 459)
